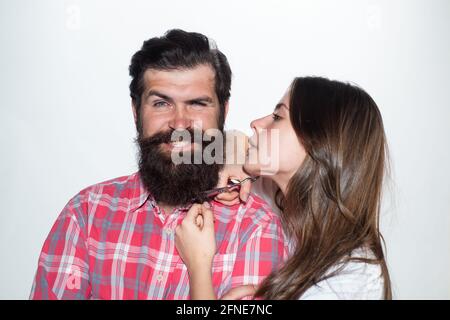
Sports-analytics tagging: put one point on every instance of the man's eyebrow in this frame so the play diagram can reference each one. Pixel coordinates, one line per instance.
(200, 99)
(159, 94)
(279, 105)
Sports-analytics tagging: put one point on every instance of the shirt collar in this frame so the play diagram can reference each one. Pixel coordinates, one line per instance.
(141, 195)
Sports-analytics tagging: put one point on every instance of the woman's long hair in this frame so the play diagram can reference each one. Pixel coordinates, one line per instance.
(332, 203)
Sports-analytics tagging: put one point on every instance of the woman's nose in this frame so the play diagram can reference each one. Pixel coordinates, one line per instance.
(258, 124)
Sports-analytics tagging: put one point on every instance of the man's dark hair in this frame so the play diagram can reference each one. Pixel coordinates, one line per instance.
(179, 49)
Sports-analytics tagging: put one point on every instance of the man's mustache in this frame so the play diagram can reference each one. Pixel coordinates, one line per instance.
(165, 137)
(174, 135)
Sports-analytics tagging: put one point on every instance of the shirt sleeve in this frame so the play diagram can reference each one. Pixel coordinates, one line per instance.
(63, 271)
(260, 253)
(357, 281)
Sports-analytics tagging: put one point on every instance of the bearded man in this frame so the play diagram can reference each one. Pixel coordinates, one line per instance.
(115, 239)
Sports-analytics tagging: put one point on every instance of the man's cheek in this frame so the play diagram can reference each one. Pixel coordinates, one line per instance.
(152, 126)
(209, 121)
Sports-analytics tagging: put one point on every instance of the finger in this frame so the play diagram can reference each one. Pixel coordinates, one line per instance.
(230, 203)
(177, 232)
(208, 216)
(245, 190)
(199, 221)
(239, 292)
(227, 196)
(193, 212)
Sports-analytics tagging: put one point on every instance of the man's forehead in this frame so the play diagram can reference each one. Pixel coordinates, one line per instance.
(198, 80)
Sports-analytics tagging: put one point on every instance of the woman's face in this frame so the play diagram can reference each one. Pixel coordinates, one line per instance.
(274, 149)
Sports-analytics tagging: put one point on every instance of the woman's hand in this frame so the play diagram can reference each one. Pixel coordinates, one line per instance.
(195, 239)
(240, 292)
(231, 198)
(236, 148)
(196, 244)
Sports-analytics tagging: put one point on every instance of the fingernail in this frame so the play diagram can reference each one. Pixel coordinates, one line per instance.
(206, 205)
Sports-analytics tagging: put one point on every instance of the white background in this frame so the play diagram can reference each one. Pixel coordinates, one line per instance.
(66, 120)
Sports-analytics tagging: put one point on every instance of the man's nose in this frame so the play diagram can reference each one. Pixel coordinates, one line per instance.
(180, 120)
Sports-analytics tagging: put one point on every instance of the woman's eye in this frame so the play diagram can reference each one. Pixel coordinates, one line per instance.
(275, 117)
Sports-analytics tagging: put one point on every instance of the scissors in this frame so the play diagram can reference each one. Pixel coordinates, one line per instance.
(234, 185)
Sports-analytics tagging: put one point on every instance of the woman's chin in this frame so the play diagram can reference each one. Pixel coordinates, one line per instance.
(256, 169)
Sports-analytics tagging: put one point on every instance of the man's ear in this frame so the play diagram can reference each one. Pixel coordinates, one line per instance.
(133, 107)
(226, 110)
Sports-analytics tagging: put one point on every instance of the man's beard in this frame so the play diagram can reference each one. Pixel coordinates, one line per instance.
(172, 184)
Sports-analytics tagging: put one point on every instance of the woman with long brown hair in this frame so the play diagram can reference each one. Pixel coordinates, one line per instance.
(329, 165)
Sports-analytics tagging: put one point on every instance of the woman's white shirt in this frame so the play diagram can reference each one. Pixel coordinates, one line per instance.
(356, 281)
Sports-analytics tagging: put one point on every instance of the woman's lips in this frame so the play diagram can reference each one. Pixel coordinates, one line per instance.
(251, 149)
(251, 144)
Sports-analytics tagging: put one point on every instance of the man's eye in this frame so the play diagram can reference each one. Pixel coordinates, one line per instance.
(160, 104)
(198, 103)
(275, 117)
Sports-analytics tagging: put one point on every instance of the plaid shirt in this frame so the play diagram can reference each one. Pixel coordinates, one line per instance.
(111, 241)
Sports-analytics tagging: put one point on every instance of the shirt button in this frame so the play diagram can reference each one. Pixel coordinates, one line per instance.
(159, 277)
(169, 232)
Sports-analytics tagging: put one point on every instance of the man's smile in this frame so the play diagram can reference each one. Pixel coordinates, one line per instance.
(179, 145)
